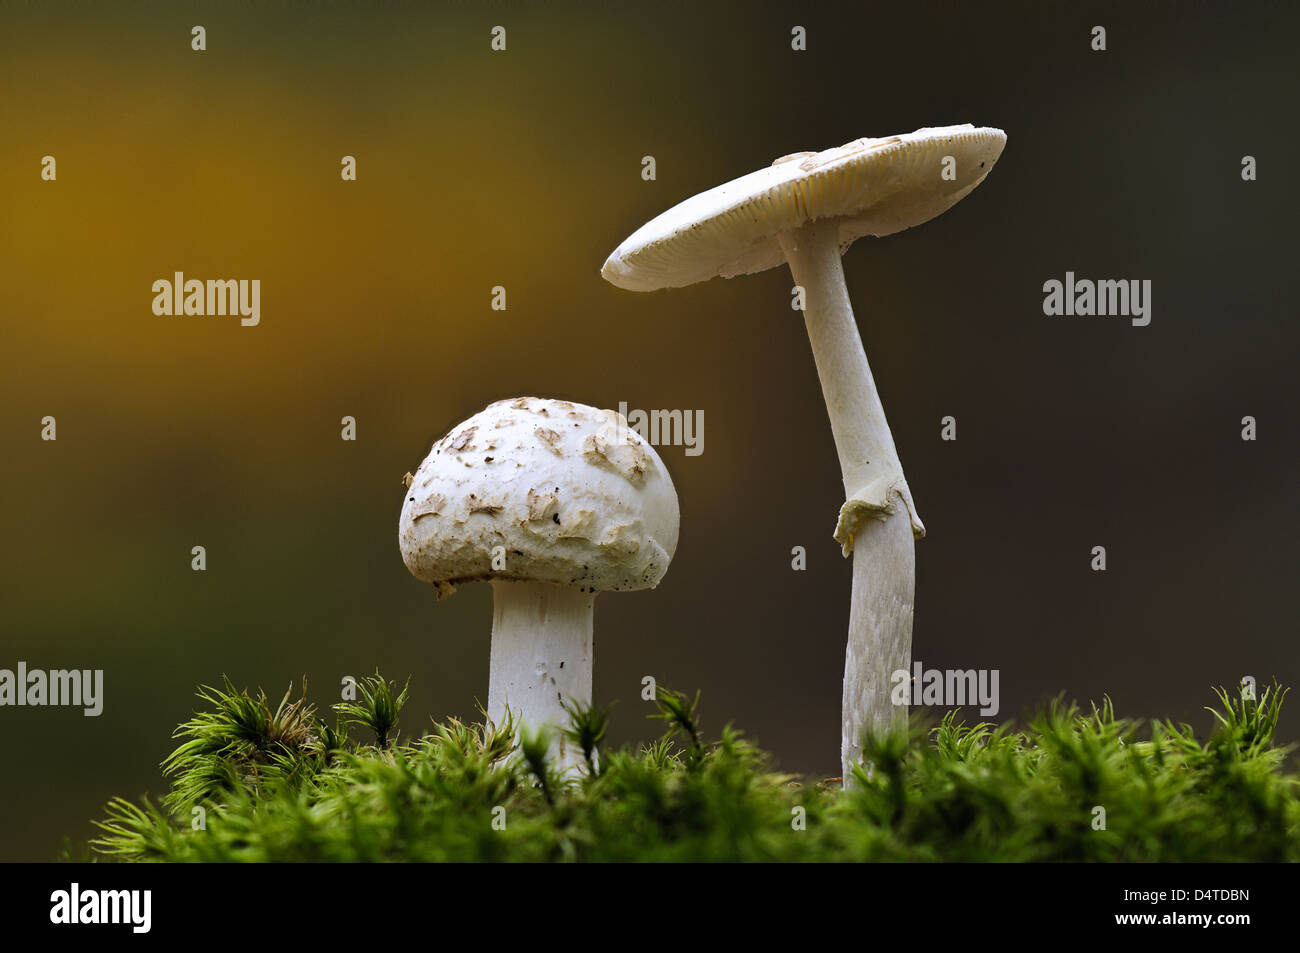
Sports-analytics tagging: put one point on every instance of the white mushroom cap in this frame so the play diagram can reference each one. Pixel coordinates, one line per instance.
(574, 496)
(874, 186)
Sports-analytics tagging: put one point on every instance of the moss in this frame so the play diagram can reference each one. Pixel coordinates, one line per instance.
(254, 784)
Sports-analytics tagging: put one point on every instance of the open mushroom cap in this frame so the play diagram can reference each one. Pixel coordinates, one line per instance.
(573, 495)
(873, 186)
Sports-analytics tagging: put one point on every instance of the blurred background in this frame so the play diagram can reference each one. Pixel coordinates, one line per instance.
(523, 169)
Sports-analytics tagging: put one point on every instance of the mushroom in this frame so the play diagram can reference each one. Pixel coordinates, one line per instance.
(551, 502)
(805, 210)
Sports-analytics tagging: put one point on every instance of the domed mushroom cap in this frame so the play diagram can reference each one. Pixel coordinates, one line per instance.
(573, 495)
(873, 186)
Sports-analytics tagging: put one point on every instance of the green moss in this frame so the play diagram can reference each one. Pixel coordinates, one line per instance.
(252, 783)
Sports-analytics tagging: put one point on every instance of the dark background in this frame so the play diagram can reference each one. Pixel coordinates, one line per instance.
(523, 169)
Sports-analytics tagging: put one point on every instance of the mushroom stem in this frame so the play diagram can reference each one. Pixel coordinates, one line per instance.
(880, 633)
(541, 655)
(871, 524)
